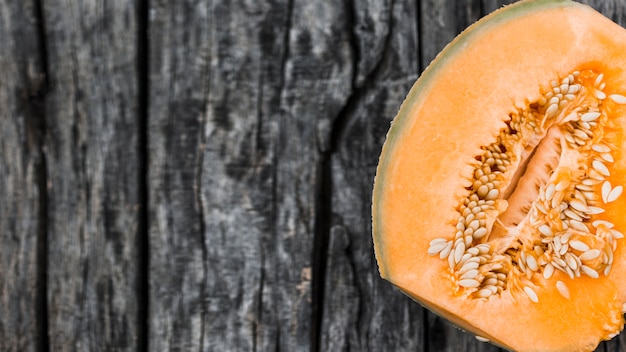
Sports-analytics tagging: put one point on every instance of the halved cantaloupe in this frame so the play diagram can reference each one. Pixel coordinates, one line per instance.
(498, 197)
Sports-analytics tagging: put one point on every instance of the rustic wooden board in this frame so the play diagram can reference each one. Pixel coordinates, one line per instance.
(92, 161)
(361, 312)
(180, 45)
(238, 113)
(22, 192)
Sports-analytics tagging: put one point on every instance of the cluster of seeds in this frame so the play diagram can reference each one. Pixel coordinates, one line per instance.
(510, 231)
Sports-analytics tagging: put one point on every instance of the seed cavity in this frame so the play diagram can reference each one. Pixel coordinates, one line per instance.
(536, 196)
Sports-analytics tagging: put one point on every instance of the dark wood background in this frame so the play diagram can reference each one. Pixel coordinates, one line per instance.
(196, 174)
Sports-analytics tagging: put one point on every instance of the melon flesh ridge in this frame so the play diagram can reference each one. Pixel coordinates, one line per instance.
(579, 39)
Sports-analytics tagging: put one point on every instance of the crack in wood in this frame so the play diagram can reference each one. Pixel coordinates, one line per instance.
(143, 235)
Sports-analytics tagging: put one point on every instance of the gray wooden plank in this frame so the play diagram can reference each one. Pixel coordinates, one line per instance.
(212, 154)
(179, 52)
(241, 101)
(319, 73)
(239, 180)
(92, 154)
(361, 311)
(22, 192)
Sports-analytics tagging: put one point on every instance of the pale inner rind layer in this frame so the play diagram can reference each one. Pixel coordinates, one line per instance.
(535, 203)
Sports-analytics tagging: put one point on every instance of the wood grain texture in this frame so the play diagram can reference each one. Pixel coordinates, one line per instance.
(92, 161)
(178, 79)
(250, 111)
(358, 306)
(22, 285)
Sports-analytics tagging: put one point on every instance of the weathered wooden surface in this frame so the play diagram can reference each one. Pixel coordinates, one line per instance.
(70, 181)
(196, 174)
(92, 157)
(22, 187)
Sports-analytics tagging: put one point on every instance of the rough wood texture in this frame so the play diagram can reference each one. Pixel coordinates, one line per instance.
(358, 306)
(197, 174)
(22, 248)
(181, 43)
(92, 157)
(238, 111)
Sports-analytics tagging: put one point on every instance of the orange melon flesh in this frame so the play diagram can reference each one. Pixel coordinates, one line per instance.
(459, 105)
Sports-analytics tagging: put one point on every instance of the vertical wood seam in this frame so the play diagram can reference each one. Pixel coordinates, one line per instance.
(203, 234)
(200, 204)
(339, 126)
(323, 218)
(39, 104)
(259, 141)
(418, 32)
(323, 199)
(287, 52)
(143, 240)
